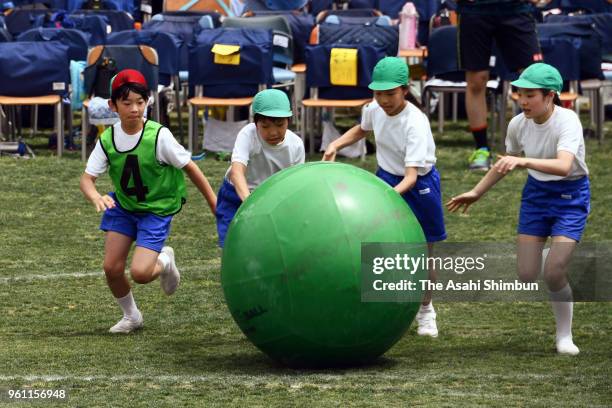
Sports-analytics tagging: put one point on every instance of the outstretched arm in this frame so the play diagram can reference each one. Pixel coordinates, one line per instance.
(466, 199)
(560, 166)
(353, 135)
(201, 182)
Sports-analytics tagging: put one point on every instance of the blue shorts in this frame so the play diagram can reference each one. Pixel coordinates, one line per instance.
(148, 230)
(228, 203)
(425, 201)
(555, 208)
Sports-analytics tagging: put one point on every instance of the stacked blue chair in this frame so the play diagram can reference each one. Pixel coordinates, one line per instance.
(324, 93)
(228, 66)
(186, 27)
(168, 48)
(35, 73)
(76, 41)
(117, 19)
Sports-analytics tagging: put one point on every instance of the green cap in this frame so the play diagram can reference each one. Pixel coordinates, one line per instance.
(273, 103)
(389, 73)
(540, 76)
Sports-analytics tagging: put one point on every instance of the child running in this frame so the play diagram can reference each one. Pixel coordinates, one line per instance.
(556, 198)
(144, 162)
(406, 157)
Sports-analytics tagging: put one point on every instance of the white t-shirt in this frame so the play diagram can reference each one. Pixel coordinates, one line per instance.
(169, 151)
(262, 159)
(561, 132)
(403, 140)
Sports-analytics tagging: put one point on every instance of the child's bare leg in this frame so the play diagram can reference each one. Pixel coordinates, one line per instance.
(529, 256)
(145, 266)
(116, 249)
(561, 298)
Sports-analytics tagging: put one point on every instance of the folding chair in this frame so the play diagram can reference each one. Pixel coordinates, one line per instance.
(76, 40)
(591, 78)
(375, 31)
(35, 73)
(282, 41)
(334, 84)
(445, 76)
(22, 19)
(168, 48)
(185, 25)
(228, 66)
(118, 20)
(103, 62)
(301, 26)
(220, 6)
(275, 5)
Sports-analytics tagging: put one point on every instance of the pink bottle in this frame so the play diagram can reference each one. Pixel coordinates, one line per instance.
(409, 19)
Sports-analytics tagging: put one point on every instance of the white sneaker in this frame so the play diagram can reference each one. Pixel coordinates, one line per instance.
(566, 346)
(170, 277)
(427, 324)
(127, 325)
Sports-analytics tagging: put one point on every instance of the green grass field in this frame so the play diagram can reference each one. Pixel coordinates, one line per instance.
(56, 310)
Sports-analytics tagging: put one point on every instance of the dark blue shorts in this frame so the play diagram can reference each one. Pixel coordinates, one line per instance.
(425, 201)
(555, 208)
(228, 203)
(148, 230)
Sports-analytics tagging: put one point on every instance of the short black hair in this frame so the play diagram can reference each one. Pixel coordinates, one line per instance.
(556, 99)
(259, 117)
(124, 90)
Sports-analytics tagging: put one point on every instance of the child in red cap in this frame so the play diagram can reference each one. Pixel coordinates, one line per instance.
(144, 162)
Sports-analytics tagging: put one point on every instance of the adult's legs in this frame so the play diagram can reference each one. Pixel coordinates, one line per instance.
(475, 98)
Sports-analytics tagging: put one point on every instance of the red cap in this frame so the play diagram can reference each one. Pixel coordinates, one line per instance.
(127, 76)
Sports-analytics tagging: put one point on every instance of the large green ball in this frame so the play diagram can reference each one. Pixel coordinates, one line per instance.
(291, 265)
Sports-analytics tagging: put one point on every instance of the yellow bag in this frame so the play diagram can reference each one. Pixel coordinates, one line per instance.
(343, 66)
(226, 54)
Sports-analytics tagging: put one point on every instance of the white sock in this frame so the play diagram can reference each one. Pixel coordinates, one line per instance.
(428, 308)
(128, 305)
(163, 259)
(563, 307)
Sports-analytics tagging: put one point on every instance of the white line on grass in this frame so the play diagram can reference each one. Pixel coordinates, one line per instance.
(297, 380)
(206, 267)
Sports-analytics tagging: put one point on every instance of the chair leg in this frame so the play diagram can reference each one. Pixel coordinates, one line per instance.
(84, 132)
(34, 117)
(177, 97)
(302, 129)
(441, 112)
(193, 126)
(599, 96)
(455, 102)
(59, 125)
(502, 110)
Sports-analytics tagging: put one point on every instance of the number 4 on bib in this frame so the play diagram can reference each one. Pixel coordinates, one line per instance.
(131, 171)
